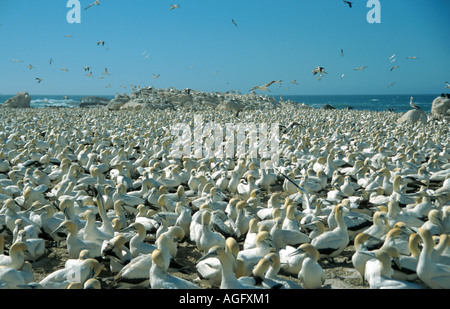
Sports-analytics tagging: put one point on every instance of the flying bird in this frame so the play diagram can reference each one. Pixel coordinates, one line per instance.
(395, 67)
(412, 104)
(359, 69)
(294, 82)
(90, 74)
(156, 76)
(390, 85)
(320, 70)
(342, 52)
(413, 58)
(447, 85)
(30, 66)
(50, 61)
(174, 6)
(106, 72)
(108, 86)
(64, 69)
(101, 43)
(234, 23)
(93, 3)
(39, 80)
(263, 87)
(68, 36)
(123, 86)
(16, 60)
(87, 69)
(342, 76)
(350, 4)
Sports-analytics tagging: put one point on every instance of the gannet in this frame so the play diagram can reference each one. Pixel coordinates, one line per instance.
(74, 243)
(378, 272)
(311, 275)
(436, 276)
(332, 243)
(161, 279)
(93, 3)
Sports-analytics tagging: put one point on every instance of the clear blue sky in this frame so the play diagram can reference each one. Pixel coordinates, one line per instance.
(197, 46)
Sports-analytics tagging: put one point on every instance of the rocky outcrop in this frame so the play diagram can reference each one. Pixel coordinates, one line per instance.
(119, 101)
(414, 116)
(441, 106)
(92, 101)
(21, 100)
(328, 107)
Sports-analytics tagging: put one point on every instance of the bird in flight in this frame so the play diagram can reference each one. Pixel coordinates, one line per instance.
(64, 69)
(106, 72)
(124, 87)
(90, 74)
(412, 58)
(263, 87)
(412, 104)
(359, 69)
(234, 23)
(174, 6)
(108, 86)
(390, 85)
(101, 43)
(294, 82)
(447, 85)
(30, 66)
(16, 60)
(395, 67)
(320, 70)
(93, 3)
(50, 61)
(156, 76)
(350, 4)
(68, 36)
(87, 69)
(342, 76)
(342, 52)
(39, 80)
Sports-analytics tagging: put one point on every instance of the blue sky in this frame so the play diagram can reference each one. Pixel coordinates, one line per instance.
(197, 46)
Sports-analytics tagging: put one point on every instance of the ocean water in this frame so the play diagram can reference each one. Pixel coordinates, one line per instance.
(398, 103)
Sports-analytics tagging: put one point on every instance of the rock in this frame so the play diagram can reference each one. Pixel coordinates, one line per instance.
(327, 106)
(441, 106)
(133, 105)
(414, 115)
(118, 102)
(21, 100)
(91, 101)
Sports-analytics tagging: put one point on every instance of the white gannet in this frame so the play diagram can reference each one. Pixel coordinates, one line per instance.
(436, 276)
(332, 243)
(161, 279)
(274, 269)
(16, 258)
(137, 243)
(210, 269)
(74, 244)
(378, 272)
(206, 237)
(251, 257)
(311, 275)
(61, 278)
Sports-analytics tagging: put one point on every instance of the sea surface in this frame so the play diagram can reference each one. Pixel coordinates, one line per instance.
(397, 103)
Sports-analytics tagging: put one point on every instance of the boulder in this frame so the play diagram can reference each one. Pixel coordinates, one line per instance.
(118, 102)
(133, 105)
(92, 101)
(414, 115)
(441, 106)
(21, 100)
(327, 106)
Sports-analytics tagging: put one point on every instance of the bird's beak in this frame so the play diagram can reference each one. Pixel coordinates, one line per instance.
(296, 252)
(207, 256)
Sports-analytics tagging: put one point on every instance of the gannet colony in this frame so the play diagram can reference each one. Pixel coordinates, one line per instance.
(99, 197)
